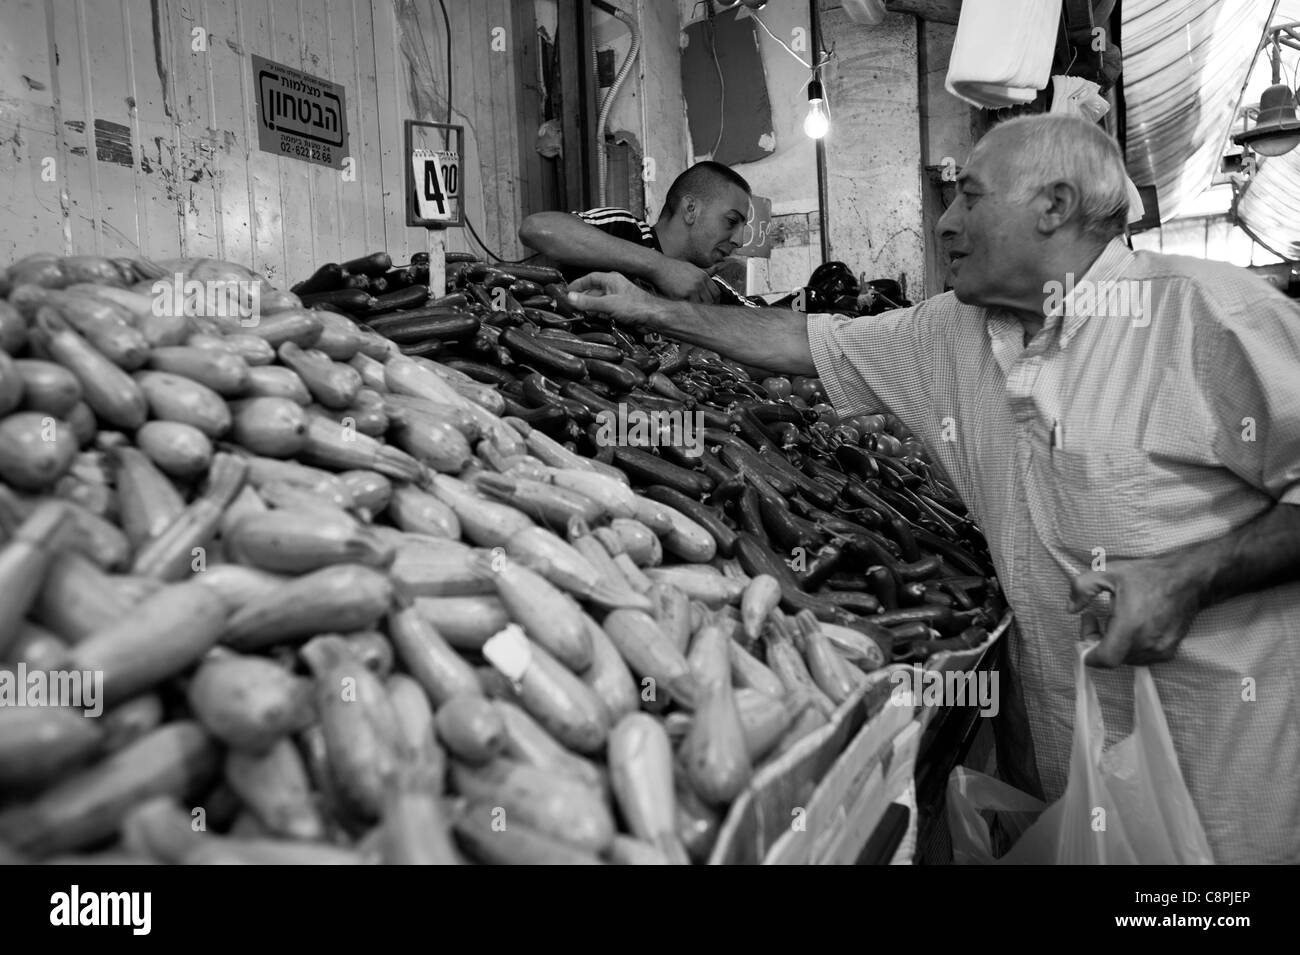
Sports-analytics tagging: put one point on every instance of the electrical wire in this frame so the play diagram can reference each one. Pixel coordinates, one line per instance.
(608, 103)
(483, 245)
(446, 21)
(806, 64)
(824, 59)
(722, 84)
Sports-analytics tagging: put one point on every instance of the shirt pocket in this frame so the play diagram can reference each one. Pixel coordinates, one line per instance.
(1094, 503)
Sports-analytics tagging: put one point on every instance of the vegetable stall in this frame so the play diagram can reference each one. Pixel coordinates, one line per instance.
(365, 578)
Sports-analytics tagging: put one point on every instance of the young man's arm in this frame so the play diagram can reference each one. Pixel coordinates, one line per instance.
(566, 239)
(772, 338)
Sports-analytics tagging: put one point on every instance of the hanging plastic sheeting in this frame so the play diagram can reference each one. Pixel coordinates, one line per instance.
(1270, 209)
(1184, 65)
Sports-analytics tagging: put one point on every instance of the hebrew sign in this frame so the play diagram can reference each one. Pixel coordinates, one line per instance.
(300, 116)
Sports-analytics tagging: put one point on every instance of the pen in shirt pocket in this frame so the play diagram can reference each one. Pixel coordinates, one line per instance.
(1057, 441)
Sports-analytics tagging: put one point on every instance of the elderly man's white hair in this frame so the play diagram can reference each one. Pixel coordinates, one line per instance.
(1053, 147)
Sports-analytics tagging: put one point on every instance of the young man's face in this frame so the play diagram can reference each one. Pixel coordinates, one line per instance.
(715, 225)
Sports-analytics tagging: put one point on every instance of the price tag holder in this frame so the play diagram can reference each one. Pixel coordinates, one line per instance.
(434, 184)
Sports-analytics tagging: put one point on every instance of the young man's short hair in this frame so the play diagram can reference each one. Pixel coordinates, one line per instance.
(702, 179)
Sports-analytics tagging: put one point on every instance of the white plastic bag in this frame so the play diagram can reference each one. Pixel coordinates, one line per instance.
(1127, 805)
(971, 793)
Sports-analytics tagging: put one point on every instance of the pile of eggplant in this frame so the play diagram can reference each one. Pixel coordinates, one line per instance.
(848, 515)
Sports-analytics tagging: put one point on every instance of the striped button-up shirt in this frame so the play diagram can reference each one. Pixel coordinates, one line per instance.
(1135, 424)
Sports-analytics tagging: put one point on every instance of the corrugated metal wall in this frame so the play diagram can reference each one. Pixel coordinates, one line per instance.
(119, 134)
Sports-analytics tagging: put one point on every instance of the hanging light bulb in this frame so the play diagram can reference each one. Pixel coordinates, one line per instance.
(817, 123)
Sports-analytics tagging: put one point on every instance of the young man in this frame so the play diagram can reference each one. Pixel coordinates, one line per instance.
(701, 224)
(1126, 428)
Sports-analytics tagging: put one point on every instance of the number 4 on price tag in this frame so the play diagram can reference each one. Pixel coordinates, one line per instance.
(436, 175)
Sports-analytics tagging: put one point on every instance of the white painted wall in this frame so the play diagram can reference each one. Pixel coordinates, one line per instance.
(948, 119)
(667, 140)
(200, 186)
(874, 150)
(649, 104)
(789, 175)
(874, 156)
(196, 183)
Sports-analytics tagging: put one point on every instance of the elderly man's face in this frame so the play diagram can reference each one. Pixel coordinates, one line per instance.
(988, 237)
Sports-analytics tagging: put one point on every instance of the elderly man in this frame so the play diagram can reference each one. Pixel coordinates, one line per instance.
(1126, 428)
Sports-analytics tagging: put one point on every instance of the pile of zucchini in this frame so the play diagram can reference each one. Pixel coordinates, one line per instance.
(348, 606)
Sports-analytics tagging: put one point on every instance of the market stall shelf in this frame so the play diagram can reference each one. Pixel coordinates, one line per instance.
(608, 584)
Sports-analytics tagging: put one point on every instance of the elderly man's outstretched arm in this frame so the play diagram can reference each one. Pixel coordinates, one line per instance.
(772, 338)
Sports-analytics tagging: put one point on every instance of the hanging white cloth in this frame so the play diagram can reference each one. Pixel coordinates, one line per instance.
(1002, 54)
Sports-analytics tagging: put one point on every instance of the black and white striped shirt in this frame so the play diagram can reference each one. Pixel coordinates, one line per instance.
(619, 223)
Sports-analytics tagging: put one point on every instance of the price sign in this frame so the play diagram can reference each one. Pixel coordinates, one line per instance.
(434, 175)
(437, 184)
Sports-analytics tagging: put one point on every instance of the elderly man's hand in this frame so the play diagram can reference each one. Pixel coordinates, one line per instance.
(612, 294)
(1153, 608)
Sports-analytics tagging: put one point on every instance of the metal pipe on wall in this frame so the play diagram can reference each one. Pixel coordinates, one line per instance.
(608, 103)
(823, 203)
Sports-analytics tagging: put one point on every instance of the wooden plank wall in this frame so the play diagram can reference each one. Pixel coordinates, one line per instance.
(538, 186)
(153, 134)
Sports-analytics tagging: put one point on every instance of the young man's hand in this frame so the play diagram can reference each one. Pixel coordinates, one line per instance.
(681, 280)
(612, 294)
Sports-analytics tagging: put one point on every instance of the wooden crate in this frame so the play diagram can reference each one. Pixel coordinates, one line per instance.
(819, 802)
(850, 801)
(766, 809)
